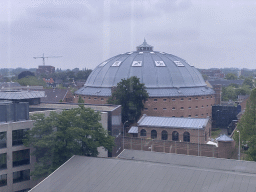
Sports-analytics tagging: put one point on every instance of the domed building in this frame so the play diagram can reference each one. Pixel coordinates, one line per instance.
(175, 88)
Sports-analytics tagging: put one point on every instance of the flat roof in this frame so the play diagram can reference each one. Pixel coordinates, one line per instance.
(173, 122)
(62, 106)
(81, 173)
(17, 95)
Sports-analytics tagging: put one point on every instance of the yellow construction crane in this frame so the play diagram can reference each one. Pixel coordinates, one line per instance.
(43, 57)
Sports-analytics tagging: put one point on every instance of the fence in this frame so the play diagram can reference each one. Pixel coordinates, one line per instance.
(170, 147)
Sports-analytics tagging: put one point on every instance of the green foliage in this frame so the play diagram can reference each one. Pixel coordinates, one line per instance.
(131, 94)
(249, 82)
(231, 92)
(80, 100)
(231, 76)
(247, 127)
(58, 137)
(31, 81)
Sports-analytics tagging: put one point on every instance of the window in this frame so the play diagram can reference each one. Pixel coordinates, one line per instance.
(164, 99)
(182, 108)
(189, 107)
(3, 180)
(186, 137)
(196, 98)
(95, 98)
(153, 134)
(196, 115)
(175, 136)
(189, 99)
(182, 99)
(143, 132)
(3, 161)
(173, 99)
(202, 98)
(84, 97)
(145, 109)
(164, 135)
(207, 114)
(146, 100)
(18, 136)
(211, 96)
(164, 108)
(206, 105)
(102, 99)
(202, 115)
(173, 116)
(89, 98)
(206, 97)
(21, 157)
(189, 116)
(2, 139)
(155, 109)
(20, 176)
(155, 99)
(196, 107)
(181, 116)
(202, 106)
(173, 108)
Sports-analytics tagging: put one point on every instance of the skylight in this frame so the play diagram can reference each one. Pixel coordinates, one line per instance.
(129, 53)
(179, 64)
(152, 52)
(117, 64)
(140, 52)
(137, 63)
(103, 64)
(159, 63)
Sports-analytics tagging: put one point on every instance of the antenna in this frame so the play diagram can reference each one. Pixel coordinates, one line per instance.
(43, 57)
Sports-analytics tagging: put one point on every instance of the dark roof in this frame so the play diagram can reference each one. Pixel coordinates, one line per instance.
(82, 173)
(225, 82)
(54, 95)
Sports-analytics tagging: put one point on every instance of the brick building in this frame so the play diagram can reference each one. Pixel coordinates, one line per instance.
(175, 88)
(194, 130)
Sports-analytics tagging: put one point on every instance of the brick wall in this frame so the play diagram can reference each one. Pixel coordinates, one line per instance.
(223, 151)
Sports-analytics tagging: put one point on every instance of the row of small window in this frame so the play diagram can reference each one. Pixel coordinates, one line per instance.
(19, 158)
(17, 137)
(164, 135)
(182, 108)
(95, 98)
(182, 99)
(18, 176)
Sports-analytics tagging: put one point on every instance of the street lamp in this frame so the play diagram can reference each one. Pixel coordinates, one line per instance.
(239, 146)
(123, 132)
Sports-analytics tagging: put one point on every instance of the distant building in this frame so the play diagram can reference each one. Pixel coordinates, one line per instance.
(225, 82)
(49, 82)
(213, 73)
(57, 96)
(175, 88)
(45, 69)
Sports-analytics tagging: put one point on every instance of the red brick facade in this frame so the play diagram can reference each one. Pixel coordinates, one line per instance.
(202, 134)
(196, 106)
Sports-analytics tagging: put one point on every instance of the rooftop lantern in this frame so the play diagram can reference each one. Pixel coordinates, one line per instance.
(144, 46)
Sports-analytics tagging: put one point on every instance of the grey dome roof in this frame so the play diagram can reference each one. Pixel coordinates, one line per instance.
(157, 70)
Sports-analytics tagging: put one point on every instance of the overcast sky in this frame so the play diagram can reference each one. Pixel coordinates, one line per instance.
(206, 33)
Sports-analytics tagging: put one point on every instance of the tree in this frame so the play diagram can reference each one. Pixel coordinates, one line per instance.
(231, 76)
(31, 81)
(248, 81)
(247, 127)
(80, 100)
(25, 74)
(131, 94)
(58, 137)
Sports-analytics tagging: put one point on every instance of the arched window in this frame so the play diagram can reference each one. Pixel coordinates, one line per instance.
(153, 134)
(175, 136)
(164, 135)
(186, 137)
(143, 132)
